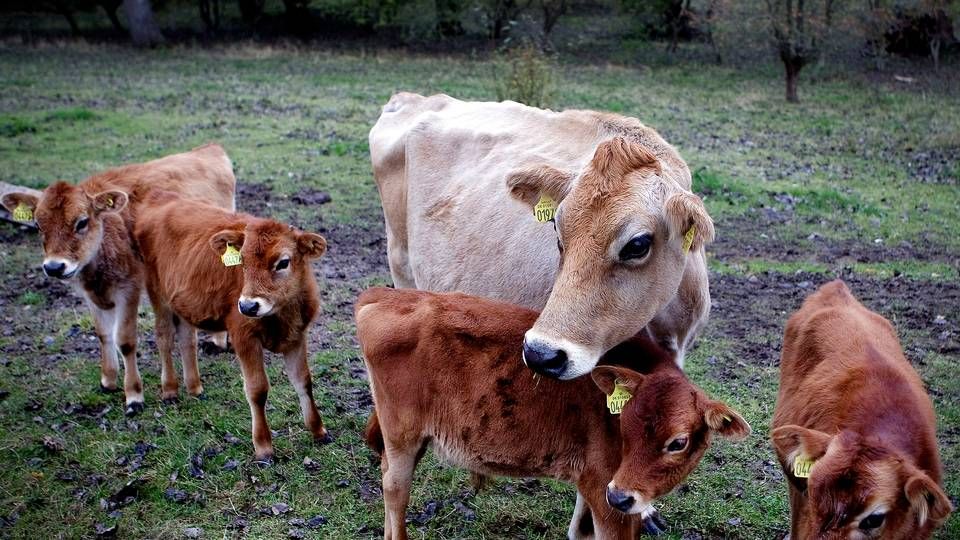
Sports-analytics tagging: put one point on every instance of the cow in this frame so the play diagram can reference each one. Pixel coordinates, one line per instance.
(220, 271)
(460, 183)
(853, 427)
(445, 371)
(86, 232)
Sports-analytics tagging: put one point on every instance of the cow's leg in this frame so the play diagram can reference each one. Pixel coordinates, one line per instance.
(127, 338)
(607, 522)
(187, 341)
(397, 465)
(797, 504)
(165, 328)
(298, 371)
(219, 339)
(581, 524)
(104, 324)
(255, 386)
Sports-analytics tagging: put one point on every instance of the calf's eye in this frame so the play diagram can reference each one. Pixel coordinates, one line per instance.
(82, 224)
(636, 248)
(283, 264)
(872, 521)
(678, 445)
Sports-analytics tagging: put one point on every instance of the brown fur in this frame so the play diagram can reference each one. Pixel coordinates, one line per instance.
(182, 242)
(108, 272)
(850, 401)
(445, 370)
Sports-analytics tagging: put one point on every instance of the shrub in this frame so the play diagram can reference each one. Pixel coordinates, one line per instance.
(524, 74)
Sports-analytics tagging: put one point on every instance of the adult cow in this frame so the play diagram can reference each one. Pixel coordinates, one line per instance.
(627, 252)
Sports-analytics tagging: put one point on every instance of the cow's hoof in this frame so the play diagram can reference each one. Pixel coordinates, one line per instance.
(264, 461)
(133, 408)
(170, 400)
(202, 396)
(327, 438)
(105, 390)
(654, 525)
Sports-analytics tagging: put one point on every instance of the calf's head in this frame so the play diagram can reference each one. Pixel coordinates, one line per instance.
(275, 262)
(70, 223)
(624, 234)
(858, 488)
(666, 426)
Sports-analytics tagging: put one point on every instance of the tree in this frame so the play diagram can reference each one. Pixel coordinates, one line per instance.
(210, 14)
(552, 10)
(143, 28)
(799, 28)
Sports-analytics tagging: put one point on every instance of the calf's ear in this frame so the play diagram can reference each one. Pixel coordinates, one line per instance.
(12, 200)
(311, 245)
(685, 213)
(608, 377)
(926, 498)
(222, 239)
(528, 184)
(792, 441)
(109, 201)
(725, 421)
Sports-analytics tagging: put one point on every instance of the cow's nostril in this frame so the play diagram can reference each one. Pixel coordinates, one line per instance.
(544, 359)
(249, 307)
(619, 500)
(54, 269)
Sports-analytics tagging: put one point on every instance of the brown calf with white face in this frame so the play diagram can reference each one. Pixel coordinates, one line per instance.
(854, 428)
(86, 232)
(266, 302)
(445, 371)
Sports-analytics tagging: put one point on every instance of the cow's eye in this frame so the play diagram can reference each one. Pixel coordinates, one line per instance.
(678, 445)
(873, 521)
(283, 264)
(82, 224)
(636, 248)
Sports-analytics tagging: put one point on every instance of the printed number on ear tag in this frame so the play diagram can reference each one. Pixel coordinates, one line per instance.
(618, 398)
(802, 466)
(22, 213)
(545, 209)
(231, 257)
(688, 239)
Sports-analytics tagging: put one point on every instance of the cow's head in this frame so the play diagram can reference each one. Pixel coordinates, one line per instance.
(858, 488)
(624, 237)
(275, 262)
(666, 426)
(70, 223)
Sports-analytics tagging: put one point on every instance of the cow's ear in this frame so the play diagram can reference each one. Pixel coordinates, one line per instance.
(607, 378)
(792, 441)
(311, 245)
(11, 201)
(726, 422)
(109, 201)
(926, 498)
(528, 184)
(222, 239)
(689, 222)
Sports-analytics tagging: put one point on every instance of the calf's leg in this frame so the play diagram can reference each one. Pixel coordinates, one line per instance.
(165, 328)
(187, 340)
(127, 337)
(397, 464)
(255, 386)
(298, 371)
(607, 523)
(581, 524)
(105, 324)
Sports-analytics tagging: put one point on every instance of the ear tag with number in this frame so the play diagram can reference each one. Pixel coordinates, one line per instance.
(545, 209)
(231, 257)
(618, 398)
(802, 466)
(109, 202)
(22, 213)
(688, 239)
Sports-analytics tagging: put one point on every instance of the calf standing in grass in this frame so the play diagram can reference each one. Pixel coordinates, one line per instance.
(86, 230)
(446, 370)
(266, 298)
(854, 429)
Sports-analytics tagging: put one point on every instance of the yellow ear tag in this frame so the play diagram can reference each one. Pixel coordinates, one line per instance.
(231, 257)
(545, 209)
(688, 239)
(618, 399)
(22, 213)
(802, 466)
(109, 202)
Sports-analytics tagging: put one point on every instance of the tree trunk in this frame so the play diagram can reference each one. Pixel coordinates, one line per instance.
(143, 28)
(792, 72)
(250, 10)
(210, 13)
(64, 10)
(935, 51)
(110, 8)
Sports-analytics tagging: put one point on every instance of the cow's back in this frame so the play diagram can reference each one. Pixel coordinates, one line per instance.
(441, 166)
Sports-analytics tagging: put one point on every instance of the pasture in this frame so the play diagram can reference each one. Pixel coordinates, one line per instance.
(860, 180)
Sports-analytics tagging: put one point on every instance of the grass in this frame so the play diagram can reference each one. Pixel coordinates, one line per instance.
(835, 167)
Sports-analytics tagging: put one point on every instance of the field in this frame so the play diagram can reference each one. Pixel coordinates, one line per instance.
(859, 181)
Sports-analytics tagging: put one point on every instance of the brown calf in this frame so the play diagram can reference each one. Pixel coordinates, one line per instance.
(445, 370)
(851, 405)
(265, 302)
(87, 242)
